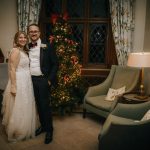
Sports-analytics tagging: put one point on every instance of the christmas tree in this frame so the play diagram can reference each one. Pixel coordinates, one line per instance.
(69, 72)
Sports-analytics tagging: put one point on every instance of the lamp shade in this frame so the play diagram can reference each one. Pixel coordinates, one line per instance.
(140, 59)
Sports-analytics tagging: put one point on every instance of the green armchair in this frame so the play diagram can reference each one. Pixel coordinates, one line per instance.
(119, 76)
(124, 130)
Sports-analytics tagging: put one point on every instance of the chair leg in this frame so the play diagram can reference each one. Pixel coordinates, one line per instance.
(84, 113)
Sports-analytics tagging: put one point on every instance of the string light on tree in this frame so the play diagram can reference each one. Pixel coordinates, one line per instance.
(69, 73)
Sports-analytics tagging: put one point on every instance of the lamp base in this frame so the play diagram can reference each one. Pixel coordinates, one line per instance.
(141, 97)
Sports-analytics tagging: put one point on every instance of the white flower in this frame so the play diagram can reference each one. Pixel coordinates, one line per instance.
(43, 46)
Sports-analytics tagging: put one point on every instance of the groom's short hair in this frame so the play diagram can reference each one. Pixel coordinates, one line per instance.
(33, 24)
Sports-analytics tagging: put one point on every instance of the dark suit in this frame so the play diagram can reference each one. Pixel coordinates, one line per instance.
(49, 67)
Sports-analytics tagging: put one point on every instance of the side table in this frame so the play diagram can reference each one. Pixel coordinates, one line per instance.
(130, 98)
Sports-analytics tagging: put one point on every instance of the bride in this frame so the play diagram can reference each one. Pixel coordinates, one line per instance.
(18, 106)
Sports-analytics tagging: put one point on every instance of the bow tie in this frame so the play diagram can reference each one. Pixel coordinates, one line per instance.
(32, 45)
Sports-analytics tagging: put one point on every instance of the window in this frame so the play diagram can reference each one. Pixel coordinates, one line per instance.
(90, 20)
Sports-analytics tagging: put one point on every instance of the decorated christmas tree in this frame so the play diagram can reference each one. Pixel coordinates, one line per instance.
(69, 72)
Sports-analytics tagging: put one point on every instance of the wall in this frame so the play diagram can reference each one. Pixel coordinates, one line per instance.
(8, 24)
(140, 17)
(147, 28)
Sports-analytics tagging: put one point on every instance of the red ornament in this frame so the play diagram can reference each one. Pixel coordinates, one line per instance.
(66, 78)
(65, 16)
(74, 60)
(54, 18)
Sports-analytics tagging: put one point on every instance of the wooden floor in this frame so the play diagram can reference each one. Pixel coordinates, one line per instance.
(71, 132)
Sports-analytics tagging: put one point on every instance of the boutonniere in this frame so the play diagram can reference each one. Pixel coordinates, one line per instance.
(44, 46)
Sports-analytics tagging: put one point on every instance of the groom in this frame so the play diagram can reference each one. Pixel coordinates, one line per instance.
(43, 67)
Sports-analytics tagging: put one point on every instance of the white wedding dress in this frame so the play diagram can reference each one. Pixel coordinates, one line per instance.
(19, 112)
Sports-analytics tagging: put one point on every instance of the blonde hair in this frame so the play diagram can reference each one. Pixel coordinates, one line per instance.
(16, 37)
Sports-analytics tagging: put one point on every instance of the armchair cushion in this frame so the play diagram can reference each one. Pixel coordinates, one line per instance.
(99, 102)
(112, 93)
(146, 116)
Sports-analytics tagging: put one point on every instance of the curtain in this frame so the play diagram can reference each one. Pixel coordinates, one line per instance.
(28, 12)
(122, 20)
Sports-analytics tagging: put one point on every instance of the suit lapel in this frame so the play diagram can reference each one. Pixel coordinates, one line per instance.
(41, 57)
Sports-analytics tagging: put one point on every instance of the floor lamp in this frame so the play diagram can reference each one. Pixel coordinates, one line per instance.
(141, 60)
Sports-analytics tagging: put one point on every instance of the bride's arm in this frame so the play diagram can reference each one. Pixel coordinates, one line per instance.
(13, 63)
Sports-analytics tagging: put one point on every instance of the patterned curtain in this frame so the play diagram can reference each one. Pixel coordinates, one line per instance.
(122, 19)
(28, 12)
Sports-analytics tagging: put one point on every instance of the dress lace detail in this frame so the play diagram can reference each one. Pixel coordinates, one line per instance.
(19, 112)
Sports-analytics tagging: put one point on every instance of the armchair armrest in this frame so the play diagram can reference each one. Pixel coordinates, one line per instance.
(102, 88)
(121, 134)
(114, 120)
(132, 111)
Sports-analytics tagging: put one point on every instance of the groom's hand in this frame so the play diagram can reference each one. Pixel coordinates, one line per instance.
(49, 82)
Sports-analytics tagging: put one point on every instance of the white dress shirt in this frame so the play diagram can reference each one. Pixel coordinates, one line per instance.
(34, 56)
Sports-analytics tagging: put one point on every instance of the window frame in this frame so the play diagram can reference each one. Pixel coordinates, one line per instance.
(110, 54)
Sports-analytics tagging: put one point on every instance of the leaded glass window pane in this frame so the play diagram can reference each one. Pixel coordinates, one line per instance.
(53, 7)
(99, 8)
(78, 37)
(76, 8)
(89, 20)
(48, 31)
(97, 43)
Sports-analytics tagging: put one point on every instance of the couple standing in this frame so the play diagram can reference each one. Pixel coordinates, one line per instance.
(27, 85)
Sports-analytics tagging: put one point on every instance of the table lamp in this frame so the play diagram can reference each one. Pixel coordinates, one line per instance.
(141, 60)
